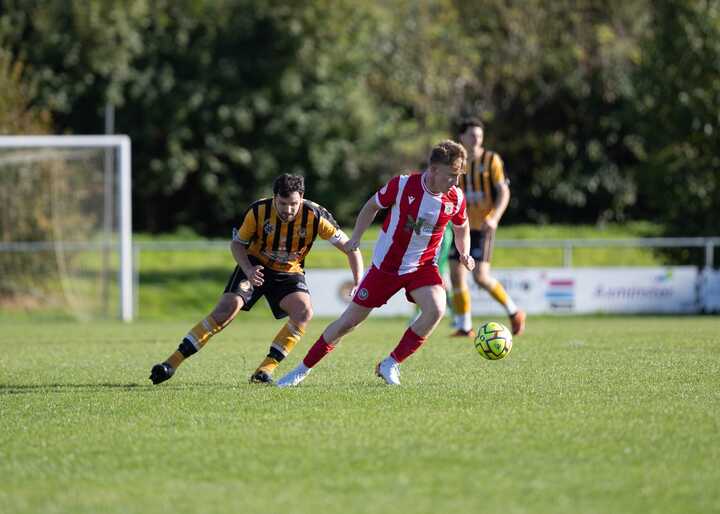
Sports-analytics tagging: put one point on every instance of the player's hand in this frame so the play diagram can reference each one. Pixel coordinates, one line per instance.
(256, 276)
(468, 262)
(352, 244)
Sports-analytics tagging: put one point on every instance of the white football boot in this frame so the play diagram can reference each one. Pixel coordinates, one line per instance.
(294, 377)
(389, 370)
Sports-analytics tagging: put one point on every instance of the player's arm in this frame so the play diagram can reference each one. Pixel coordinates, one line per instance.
(501, 203)
(241, 239)
(329, 230)
(253, 273)
(383, 199)
(502, 191)
(364, 219)
(462, 243)
(355, 260)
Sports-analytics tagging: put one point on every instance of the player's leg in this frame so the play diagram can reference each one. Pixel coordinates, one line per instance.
(374, 290)
(460, 300)
(497, 291)
(239, 294)
(353, 315)
(299, 309)
(224, 312)
(431, 300)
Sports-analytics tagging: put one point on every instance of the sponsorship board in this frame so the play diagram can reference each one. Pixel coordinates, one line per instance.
(710, 290)
(551, 290)
(595, 290)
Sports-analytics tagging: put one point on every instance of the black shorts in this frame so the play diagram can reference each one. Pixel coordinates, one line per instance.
(277, 285)
(481, 246)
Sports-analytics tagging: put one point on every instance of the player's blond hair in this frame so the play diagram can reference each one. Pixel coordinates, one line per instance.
(448, 153)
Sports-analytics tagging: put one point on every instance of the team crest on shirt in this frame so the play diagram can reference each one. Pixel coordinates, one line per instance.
(302, 233)
(268, 227)
(448, 208)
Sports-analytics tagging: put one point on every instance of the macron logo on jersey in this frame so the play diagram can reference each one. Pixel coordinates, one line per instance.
(411, 199)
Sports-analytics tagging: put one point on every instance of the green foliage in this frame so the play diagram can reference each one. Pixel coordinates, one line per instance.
(552, 80)
(602, 111)
(24, 212)
(678, 118)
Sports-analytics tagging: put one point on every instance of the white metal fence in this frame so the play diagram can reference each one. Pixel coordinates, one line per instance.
(567, 245)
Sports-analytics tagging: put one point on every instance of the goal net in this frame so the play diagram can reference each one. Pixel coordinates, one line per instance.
(65, 226)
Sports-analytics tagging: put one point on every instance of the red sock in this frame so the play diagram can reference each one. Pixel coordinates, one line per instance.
(319, 350)
(409, 343)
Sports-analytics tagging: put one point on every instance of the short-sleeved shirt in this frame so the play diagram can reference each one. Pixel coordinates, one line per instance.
(484, 175)
(282, 245)
(414, 227)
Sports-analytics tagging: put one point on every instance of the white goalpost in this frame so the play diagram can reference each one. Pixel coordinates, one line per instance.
(66, 200)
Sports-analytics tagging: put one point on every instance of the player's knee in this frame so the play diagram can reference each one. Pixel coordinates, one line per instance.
(483, 279)
(303, 315)
(226, 309)
(435, 312)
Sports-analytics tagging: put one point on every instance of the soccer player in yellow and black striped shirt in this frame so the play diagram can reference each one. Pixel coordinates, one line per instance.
(487, 193)
(270, 248)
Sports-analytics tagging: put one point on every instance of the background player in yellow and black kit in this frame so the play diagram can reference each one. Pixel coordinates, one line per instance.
(270, 248)
(487, 193)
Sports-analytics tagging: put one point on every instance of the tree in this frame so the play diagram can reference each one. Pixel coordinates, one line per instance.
(678, 126)
(552, 80)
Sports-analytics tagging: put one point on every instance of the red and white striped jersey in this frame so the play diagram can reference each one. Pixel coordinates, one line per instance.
(414, 227)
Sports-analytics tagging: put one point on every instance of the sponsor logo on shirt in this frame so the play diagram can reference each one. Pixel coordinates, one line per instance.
(419, 226)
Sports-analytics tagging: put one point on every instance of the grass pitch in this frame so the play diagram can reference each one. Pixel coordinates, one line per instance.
(592, 415)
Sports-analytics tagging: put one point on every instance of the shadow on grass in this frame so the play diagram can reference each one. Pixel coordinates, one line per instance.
(66, 388)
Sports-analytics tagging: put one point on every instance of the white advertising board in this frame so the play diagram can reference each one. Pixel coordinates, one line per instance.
(710, 290)
(550, 290)
(595, 290)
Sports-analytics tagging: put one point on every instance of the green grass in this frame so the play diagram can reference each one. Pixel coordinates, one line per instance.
(592, 415)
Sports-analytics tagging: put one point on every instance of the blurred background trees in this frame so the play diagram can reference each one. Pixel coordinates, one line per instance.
(602, 111)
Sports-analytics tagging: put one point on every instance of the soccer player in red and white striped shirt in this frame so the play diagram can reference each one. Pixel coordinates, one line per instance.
(421, 205)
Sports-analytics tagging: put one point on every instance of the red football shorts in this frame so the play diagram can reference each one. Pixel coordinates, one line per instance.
(379, 286)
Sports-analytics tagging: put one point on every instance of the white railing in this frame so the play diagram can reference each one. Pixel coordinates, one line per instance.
(567, 245)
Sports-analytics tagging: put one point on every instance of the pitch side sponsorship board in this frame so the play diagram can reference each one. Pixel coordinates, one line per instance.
(550, 290)
(710, 290)
(330, 290)
(595, 290)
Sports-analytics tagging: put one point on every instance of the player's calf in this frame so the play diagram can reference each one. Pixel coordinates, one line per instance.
(282, 345)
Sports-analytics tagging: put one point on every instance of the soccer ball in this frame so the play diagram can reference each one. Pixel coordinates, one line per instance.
(493, 341)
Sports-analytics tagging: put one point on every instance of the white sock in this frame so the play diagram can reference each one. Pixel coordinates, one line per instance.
(510, 307)
(463, 321)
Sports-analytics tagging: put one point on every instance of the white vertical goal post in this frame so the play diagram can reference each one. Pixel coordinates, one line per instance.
(122, 177)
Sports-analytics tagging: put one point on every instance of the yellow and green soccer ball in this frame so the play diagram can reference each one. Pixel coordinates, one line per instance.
(493, 341)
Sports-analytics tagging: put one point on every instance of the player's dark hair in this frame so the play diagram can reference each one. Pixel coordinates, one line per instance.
(448, 153)
(466, 123)
(287, 184)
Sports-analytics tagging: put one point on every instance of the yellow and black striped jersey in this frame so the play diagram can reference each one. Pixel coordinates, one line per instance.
(480, 184)
(282, 245)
